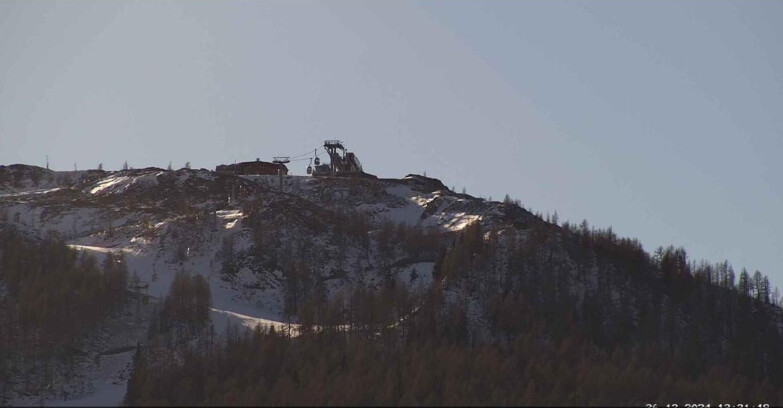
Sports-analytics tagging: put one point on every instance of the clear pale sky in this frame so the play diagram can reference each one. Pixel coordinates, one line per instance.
(661, 119)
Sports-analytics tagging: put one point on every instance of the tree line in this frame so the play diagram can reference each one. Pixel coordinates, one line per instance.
(51, 295)
(540, 315)
(420, 351)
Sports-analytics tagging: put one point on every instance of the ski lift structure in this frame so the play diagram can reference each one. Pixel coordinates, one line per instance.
(341, 161)
(140, 288)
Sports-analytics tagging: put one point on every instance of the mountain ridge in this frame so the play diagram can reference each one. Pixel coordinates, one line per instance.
(267, 252)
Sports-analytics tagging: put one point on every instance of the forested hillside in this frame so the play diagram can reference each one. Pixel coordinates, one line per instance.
(545, 314)
(51, 297)
(338, 290)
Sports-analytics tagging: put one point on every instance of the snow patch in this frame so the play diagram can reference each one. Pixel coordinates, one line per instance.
(118, 183)
(108, 393)
(29, 192)
(457, 221)
(229, 214)
(221, 318)
(102, 250)
(108, 182)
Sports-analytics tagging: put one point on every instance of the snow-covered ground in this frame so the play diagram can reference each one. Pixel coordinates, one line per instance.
(103, 368)
(109, 392)
(99, 216)
(29, 192)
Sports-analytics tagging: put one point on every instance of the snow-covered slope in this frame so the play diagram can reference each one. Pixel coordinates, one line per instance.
(239, 231)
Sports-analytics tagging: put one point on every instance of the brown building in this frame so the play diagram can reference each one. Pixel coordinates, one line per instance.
(251, 168)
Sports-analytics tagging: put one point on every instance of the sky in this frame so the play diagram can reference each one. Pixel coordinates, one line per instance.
(660, 119)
